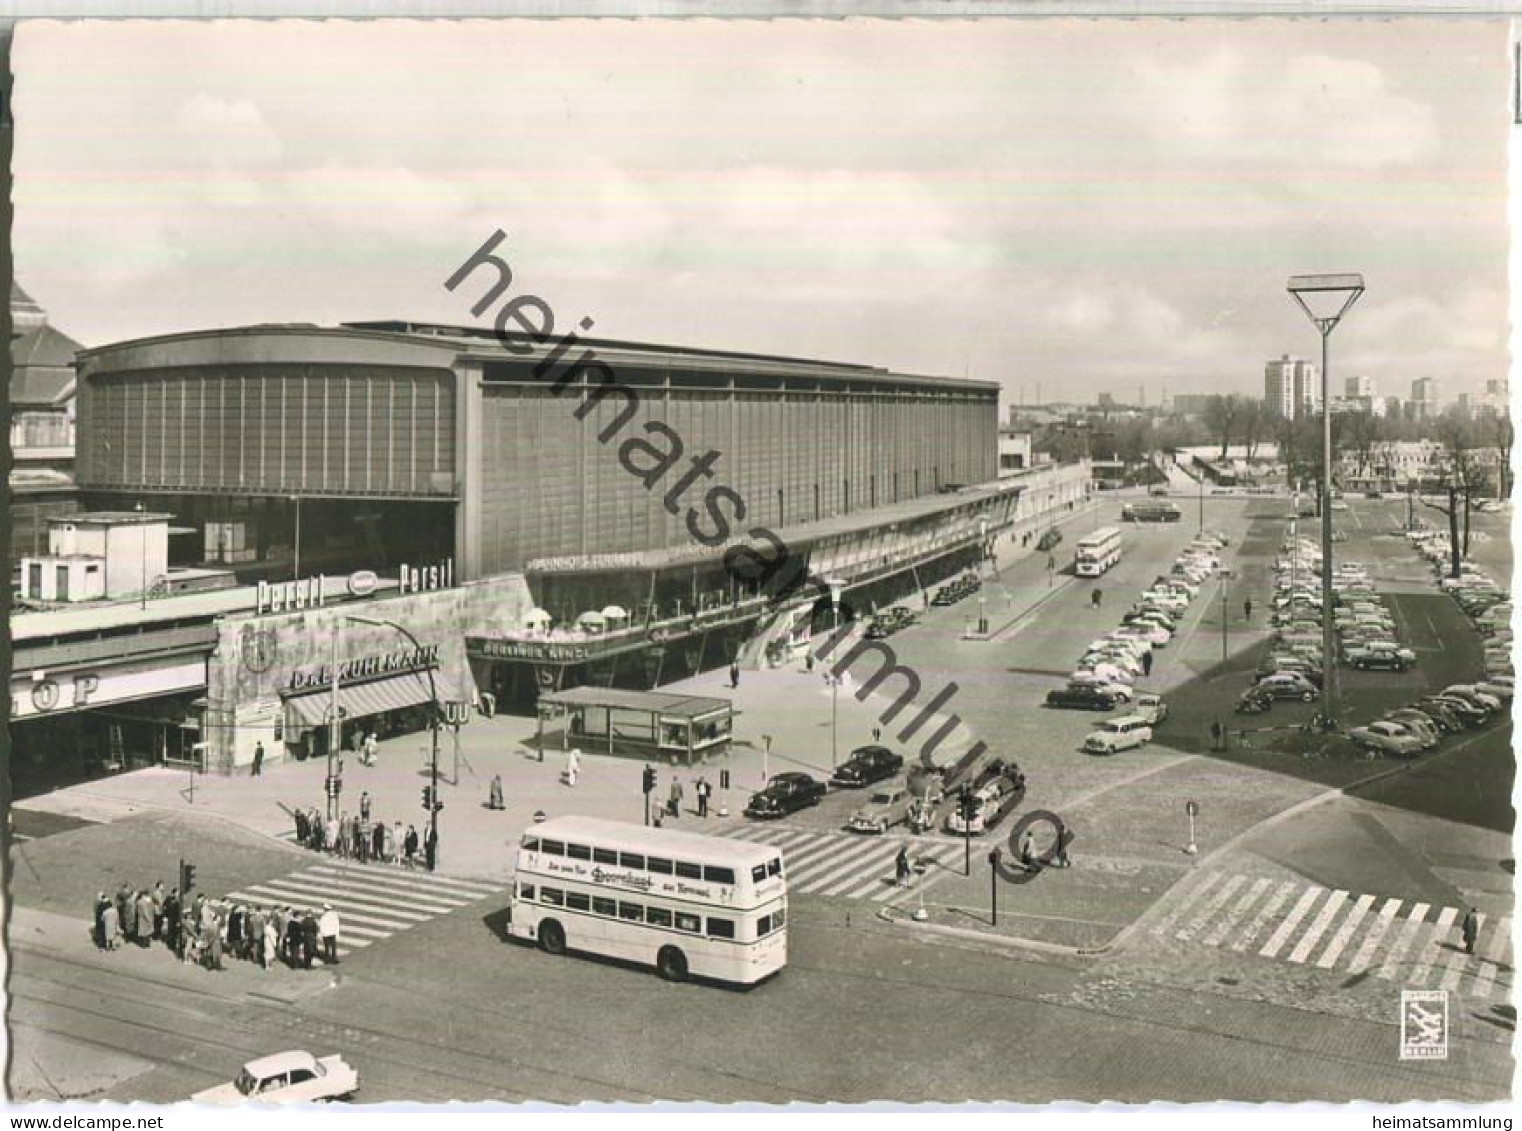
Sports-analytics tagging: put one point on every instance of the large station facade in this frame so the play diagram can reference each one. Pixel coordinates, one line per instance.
(623, 516)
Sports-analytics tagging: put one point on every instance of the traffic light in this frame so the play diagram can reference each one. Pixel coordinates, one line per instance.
(335, 785)
(649, 780)
(967, 805)
(428, 797)
(723, 779)
(187, 877)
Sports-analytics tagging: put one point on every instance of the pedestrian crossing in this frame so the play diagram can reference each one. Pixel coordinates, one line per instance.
(373, 903)
(1315, 927)
(849, 866)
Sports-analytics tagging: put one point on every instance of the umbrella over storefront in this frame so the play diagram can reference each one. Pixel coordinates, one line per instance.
(592, 620)
(537, 616)
(615, 612)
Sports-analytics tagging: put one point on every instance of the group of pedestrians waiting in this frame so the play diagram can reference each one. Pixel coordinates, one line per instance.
(358, 837)
(201, 931)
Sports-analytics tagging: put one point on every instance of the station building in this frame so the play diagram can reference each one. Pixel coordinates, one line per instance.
(623, 517)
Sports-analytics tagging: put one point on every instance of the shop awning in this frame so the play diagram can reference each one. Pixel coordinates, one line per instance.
(360, 700)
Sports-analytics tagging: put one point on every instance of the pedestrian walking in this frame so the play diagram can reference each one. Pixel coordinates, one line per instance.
(901, 869)
(364, 805)
(301, 826)
(409, 845)
(258, 759)
(1096, 598)
(734, 673)
(1146, 663)
(159, 895)
(172, 921)
(98, 915)
(111, 926)
(235, 932)
(214, 946)
(494, 799)
(572, 766)
(701, 790)
(327, 926)
(1217, 736)
(145, 919)
(1471, 929)
(310, 937)
(1028, 851)
(378, 842)
(371, 749)
(293, 939)
(674, 798)
(431, 848)
(1247, 609)
(394, 839)
(362, 833)
(271, 942)
(330, 834)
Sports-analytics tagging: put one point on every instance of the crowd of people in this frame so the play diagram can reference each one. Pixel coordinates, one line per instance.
(358, 837)
(201, 931)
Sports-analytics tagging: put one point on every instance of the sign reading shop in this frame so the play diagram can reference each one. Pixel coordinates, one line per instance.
(316, 591)
(366, 667)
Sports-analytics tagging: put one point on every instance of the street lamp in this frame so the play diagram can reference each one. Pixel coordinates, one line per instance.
(1325, 299)
(433, 726)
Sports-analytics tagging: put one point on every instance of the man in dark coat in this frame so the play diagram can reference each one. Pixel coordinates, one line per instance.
(258, 758)
(309, 939)
(101, 903)
(1471, 929)
(301, 826)
(170, 927)
(378, 840)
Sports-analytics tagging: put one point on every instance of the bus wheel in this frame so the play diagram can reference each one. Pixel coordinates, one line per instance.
(552, 937)
(671, 963)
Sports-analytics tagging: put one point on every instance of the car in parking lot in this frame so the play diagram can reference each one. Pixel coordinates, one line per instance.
(1115, 688)
(1474, 695)
(1081, 697)
(784, 794)
(286, 1078)
(866, 765)
(1500, 688)
(1441, 713)
(1379, 656)
(1469, 714)
(1387, 738)
(884, 809)
(1150, 707)
(1414, 720)
(1287, 685)
(1121, 733)
(1153, 634)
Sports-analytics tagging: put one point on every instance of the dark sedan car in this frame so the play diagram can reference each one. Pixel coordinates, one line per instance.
(867, 764)
(785, 793)
(1081, 697)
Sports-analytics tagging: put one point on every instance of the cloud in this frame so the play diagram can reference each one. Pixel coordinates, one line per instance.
(1308, 112)
(225, 132)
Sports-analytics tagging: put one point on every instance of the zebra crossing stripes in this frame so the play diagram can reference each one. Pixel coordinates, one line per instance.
(1344, 933)
(1415, 944)
(1377, 932)
(1318, 927)
(1281, 936)
(373, 903)
(845, 865)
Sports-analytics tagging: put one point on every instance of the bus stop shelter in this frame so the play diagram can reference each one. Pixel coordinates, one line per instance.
(650, 724)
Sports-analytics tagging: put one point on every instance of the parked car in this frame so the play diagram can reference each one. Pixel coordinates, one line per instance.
(1470, 714)
(785, 793)
(1081, 697)
(1378, 656)
(1424, 728)
(1278, 662)
(1288, 685)
(1387, 738)
(866, 765)
(1150, 707)
(1118, 734)
(286, 1078)
(1501, 688)
(884, 809)
(1474, 695)
(1116, 689)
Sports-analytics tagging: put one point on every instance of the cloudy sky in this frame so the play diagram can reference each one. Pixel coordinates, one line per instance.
(1064, 207)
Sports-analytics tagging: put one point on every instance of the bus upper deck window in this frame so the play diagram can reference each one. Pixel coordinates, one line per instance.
(758, 873)
(531, 844)
(657, 864)
(774, 866)
(718, 875)
(578, 852)
(552, 847)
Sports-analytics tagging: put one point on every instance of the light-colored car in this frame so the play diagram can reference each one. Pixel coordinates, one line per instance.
(884, 809)
(1418, 723)
(287, 1078)
(1121, 733)
(1150, 707)
(1153, 634)
(1387, 738)
(1119, 688)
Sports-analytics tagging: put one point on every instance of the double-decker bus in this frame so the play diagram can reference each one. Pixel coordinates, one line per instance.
(1097, 552)
(682, 902)
(1155, 510)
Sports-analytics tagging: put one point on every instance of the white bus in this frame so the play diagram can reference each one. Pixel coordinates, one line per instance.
(681, 902)
(1097, 552)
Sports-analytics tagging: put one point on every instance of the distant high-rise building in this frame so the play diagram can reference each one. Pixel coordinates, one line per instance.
(1291, 388)
(1426, 398)
(1358, 387)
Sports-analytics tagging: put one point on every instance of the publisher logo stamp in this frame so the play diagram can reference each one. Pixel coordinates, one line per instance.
(1424, 1024)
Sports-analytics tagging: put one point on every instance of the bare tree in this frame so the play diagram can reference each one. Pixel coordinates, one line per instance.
(1223, 417)
(1254, 424)
(1462, 476)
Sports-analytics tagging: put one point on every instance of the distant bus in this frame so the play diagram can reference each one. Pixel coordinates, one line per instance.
(1096, 553)
(681, 902)
(1154, 510)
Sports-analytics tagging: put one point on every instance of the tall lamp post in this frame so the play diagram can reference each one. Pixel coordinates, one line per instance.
(1325, 299)
(433, 727)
